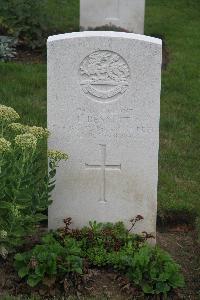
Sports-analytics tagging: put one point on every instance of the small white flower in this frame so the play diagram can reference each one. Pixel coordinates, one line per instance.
(18, 128)
(39, 132)
(56, 155)
(26, 141)
(15, 211)
(3, 234)
(3, 252)
(7, 114)
(5, 145)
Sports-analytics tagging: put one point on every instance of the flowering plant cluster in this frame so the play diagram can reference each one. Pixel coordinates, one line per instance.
(25, 189)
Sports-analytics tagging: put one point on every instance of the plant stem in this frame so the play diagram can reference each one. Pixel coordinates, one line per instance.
(2, 129)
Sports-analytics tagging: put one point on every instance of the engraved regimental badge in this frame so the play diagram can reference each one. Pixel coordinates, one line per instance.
(104, 75)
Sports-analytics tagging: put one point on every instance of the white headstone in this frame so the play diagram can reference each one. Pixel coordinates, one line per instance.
(127, 14)
(103, 110)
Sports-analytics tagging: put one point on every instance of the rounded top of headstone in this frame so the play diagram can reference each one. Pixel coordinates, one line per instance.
(114, 34)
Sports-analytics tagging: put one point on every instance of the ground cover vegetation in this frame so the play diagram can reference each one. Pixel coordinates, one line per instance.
(68, 254)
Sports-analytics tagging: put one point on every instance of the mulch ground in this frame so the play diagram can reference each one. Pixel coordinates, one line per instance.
(185, 249)
(108, 284)
(25, 55)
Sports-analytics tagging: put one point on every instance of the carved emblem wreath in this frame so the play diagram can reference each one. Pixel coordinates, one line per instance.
(104, 74)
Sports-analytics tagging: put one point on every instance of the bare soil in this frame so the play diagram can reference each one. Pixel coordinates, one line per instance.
(27, 56)
(184, 248)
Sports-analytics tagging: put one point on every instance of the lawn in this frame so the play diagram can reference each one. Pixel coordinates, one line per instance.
(23, 86)
(179, 175)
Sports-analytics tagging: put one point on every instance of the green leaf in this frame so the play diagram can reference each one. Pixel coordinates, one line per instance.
(8, 192)
(33, 280)
(147, 289)
(19, 257)
(153, 273)
(40, 270)
(51, 188)
(162, 287)
(23, 272)
(52, 173)
(79, 270)
(5, 205)
(40, 217)
(178, 281)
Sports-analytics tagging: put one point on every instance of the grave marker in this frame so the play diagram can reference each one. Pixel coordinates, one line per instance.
(103, 110)
(127, 14)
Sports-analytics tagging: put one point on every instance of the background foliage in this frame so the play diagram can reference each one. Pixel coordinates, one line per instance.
(32, 21)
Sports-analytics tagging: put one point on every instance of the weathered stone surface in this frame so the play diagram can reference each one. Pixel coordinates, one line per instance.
(127, 14)
(103, 110)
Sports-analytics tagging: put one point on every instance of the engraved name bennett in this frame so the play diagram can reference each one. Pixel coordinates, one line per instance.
(104, 75)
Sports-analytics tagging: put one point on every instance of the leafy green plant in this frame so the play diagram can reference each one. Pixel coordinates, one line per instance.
(109, 235)
(26, 21)
(25, 188)
(49, 260)
(100, 244)
(7, 48)
(150, 268)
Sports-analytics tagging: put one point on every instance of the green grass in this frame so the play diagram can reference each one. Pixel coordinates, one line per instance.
(63, 14)
(179, 173)
(24, 88)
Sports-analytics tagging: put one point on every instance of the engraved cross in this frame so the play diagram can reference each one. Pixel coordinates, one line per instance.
(103, 167)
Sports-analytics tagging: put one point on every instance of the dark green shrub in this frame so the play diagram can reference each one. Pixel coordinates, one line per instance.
(26, 20)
